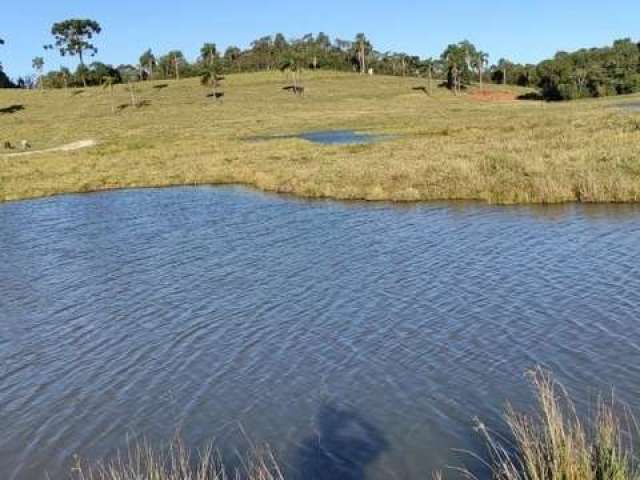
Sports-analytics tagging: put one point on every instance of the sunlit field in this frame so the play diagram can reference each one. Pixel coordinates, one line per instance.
(484, 147)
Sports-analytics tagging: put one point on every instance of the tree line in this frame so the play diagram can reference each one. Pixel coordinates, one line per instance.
(611, 70)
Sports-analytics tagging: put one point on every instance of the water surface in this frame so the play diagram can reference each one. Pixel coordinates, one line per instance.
(331, 137)
(629, 106)
(360, 340)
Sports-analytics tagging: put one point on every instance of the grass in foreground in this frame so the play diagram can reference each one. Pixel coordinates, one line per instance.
(446, 147)
(552, 445)
(178, 463)
(556, 445)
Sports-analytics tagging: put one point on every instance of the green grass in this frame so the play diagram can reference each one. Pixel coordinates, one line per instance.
(446, 147)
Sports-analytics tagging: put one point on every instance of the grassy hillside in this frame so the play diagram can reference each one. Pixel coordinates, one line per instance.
(445, 147)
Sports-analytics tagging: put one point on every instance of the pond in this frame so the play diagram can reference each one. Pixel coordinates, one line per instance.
(629, 106)
(372, 331)
(331, 137)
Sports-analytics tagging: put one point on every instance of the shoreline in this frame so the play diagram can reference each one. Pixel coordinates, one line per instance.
(444, 148)
(308, 197)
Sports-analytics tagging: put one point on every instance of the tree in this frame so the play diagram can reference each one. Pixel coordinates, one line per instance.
(504, 66)
(594, 72)
(211, 77)
(171, 64)
(72, 37)
(4, 80)
(363, 48)
(292, 65)
(429, 65)
(209, 53)
(280, 47)
(108, 82)
(343, 45)
(323, 41)
(263, 53)
(231, 56)
(128, 73)
(458, 59)
(305, 48)
(38, 66)
(480, 61)
(176, 58)
(82, 71)
(64, 75)
(454, 59)
(148, 62)
(280, 44)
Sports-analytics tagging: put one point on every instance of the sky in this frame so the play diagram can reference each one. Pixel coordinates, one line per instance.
(521, 31)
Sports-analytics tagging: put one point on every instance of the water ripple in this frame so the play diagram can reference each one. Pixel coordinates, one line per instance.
(138, 313)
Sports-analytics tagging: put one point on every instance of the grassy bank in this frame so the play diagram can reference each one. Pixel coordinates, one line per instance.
(551, 444)
(446, 147)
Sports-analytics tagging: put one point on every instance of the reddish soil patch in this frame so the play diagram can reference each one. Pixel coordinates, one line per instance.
(493, 96)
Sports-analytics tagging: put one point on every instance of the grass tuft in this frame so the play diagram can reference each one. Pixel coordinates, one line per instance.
(556, 445)
(143, 462)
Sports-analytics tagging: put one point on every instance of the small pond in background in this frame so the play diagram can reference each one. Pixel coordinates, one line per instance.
(331, 137)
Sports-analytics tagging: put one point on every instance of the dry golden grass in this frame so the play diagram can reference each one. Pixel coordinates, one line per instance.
(446, 147)
(556, 445)
(178, 463)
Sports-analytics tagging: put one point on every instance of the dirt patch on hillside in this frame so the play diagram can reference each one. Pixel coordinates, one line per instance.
(493, 96)
(69, 147)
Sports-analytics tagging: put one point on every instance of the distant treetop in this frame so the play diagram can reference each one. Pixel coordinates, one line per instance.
(72, 36)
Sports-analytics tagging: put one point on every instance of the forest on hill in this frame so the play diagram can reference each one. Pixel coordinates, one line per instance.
(594, 72)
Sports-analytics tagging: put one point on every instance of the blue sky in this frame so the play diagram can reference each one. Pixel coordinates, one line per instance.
(523, 31)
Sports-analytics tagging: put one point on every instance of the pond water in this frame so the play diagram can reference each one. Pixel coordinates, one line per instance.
(331, 137)
(629, 106)
(359, 340)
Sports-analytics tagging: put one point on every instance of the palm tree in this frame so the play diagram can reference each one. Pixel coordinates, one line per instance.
(64, 74)
(454, 58)
(504, 65)
(363, 47)
(148, 61)
(109, 82)
(480, 62)
(173, 59)
(209, 52)
(459, 58)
